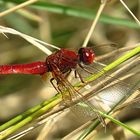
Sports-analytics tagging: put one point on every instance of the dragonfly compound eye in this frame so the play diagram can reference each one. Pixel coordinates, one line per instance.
(86, 55)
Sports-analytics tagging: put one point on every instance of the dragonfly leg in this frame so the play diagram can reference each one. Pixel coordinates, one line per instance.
(85, 69)
(76, 72)
(68, 73)
(51, 80)
(58, 88)
(61, 88)
(66, 96)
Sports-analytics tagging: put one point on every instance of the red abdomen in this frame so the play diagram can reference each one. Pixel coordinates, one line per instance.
(32, 68)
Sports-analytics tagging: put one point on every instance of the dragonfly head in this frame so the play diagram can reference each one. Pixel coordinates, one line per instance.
(86, 55)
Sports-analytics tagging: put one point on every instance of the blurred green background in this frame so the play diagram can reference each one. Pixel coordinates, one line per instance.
(64, 24)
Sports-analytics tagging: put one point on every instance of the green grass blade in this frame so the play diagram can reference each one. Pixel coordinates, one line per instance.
(79, 12)
(94, 125)
(51, 103)
(26, 113)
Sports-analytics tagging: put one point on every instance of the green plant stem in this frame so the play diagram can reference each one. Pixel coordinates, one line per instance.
(120, 123)
(78, 12)
(26, 113)
(82, 137)
(29, 118)
(36, 111)
(88, 130)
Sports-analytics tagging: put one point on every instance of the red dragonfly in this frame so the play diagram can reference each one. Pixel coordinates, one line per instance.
(59, 64)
